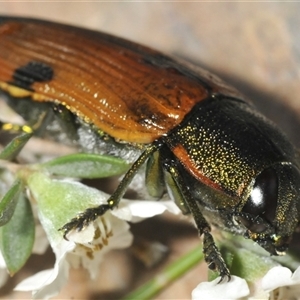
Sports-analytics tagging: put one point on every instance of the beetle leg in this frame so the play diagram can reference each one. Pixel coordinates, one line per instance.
(211, 252)
(175, 193)
(213, 256)
(83, 219)
(155, 176)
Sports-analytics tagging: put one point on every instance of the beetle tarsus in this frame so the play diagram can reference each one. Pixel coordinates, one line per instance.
(83, 219)
(214, 258)
(225, 274)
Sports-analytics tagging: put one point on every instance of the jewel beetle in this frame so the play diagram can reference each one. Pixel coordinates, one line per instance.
(202, 142)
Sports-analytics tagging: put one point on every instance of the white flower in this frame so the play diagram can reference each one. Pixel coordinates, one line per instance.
(48, 283)
(60, 200)
(236, 288)
(84, 250)
(280, 281)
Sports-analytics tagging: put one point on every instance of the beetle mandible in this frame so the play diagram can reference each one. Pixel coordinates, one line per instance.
(219, 159)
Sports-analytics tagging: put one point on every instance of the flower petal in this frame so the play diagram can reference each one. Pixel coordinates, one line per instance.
(48, 283)
(83, 236)
(277, 277)
(296, 276)
(140, 209)
(236, 288)
(280, 277)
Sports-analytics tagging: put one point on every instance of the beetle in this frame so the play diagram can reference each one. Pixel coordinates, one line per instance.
(218, 158)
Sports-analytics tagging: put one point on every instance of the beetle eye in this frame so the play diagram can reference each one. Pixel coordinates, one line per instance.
(263, 198)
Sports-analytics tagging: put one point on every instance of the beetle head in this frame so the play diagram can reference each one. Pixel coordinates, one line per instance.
(272, 211)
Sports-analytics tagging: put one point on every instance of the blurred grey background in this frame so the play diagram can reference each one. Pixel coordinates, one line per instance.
(253, 45)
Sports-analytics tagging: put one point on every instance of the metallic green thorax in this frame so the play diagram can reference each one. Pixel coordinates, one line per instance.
(227, 145)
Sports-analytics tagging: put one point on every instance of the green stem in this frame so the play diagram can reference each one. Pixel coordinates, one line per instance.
(171, 273)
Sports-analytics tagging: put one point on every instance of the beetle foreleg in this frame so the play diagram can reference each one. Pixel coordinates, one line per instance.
(83, 219)
(211, 252)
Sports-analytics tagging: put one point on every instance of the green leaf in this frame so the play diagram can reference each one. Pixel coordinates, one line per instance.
(15, 146)
(84, 165)
(248, 260)
(17, 236)
(250, 265)
(9, 202)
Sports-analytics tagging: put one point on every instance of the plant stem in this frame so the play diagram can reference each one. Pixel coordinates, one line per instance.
(170, 274)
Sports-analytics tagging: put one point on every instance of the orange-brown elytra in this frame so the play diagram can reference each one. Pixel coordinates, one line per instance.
(223, 162)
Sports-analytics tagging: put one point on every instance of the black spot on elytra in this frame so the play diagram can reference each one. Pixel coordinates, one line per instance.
(32, 72)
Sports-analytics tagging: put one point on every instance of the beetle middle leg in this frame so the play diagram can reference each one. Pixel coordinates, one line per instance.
(211, 252)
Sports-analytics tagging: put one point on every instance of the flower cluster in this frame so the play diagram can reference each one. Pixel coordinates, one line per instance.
(88, 247)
